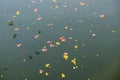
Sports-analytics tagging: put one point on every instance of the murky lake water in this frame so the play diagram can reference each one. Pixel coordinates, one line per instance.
(93, 26)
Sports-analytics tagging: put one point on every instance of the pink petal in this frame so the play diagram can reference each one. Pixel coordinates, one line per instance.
(35, 10)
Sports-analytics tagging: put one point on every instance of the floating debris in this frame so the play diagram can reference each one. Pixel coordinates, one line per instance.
(39, 32)
(14, 36)
(1, 76)
(44, 49)
(52, 45)
(5, 69)
(16, 29)
(62, 75)
(30, 57)
(65, 56)
(76, 46)
(19, 45)
(24, 60)
(62, 39)
(37, 52)
(17, 12)
(113, 31)
(41, 71)
(10, 23)
(47, 74)
(47, 65)
(35, 10)
(74, 61)
(57, 43)
(93, 35)
(82, 3)
(36, 36)
(101, 16)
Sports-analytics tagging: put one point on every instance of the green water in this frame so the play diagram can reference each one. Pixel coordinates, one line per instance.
(97, 60)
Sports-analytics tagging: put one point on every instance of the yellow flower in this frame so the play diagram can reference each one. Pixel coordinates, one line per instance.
(47, 65)
(47, 74)
(74, 61)
(62, 75)
(76, 46)
(17, 12)
(65, 57)
(57, 43)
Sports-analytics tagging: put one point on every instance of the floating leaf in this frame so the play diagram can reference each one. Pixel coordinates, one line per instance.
(5, 69)
(14, 36)
(37, 52)
(39, 32)
(30, 57)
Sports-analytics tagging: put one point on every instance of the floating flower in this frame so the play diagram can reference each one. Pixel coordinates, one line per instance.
(93, 35)
(62, 39)
(36, 36)
(76, 46)
(44, 49)
(16, 29)
(62, 75)
(24, 60)
(66, 27)
(101, 16)
(83, 45)
(17, 12)
(48, 42)
(40, 71)
(82, 3)
(35, 10)
(19, 45)
(57, 43)
(52, 45)
(47, 65)
(75, 9)
(49, 24)
(74, 61)
(47, 74)
(65, 56)
(39, 18)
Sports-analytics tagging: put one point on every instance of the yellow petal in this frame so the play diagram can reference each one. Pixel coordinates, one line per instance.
(62, 75)
(76, 46)
(65, 57)
(47, 65)
(74, 61)
(57, 43)
(17, 12)
(47, 74)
